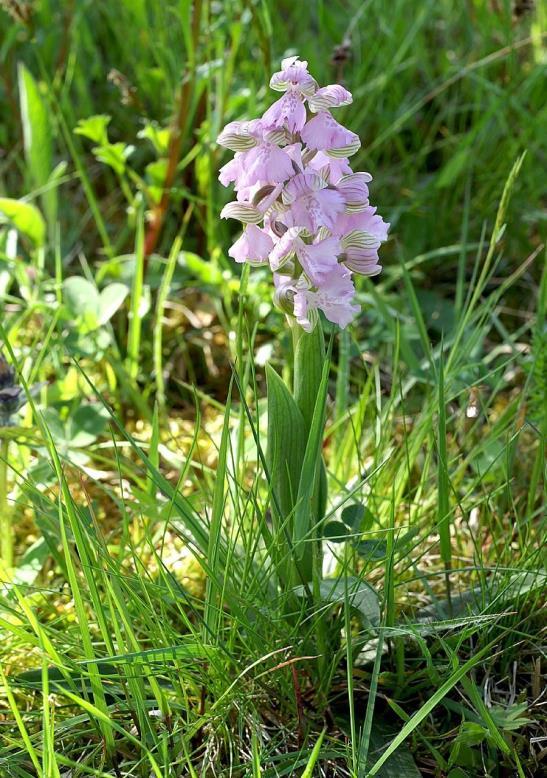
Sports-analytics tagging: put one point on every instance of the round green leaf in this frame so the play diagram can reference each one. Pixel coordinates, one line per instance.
(335, 531)
(357, 517)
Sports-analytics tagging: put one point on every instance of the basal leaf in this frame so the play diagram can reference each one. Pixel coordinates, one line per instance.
(359, 595)
(286, 443)
(308, 368)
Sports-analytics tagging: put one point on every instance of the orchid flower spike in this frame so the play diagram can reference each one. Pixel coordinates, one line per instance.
(305, 212)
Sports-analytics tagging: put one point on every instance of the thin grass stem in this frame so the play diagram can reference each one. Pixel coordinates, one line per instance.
(6, 530)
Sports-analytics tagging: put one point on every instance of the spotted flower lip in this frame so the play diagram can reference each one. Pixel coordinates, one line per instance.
(264, 162)
(315, 209)
(306, 213)
(300, 185)
(289, 111)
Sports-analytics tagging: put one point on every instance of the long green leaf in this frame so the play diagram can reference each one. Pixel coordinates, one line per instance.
(37, 140)
(286, 443)
(309, 357)
(314, 756)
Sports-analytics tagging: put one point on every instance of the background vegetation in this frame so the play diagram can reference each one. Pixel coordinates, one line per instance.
(140, 633)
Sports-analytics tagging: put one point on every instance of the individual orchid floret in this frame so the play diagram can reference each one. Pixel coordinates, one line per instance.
(305, 213)
(324, 132)
(330, 96)
(254, 246)
(318, 260)
(294, 75)
(265, 162)
(239, 136)
(354, 190)
(361, 253)
(334, 299)
(330, 168)
(361, 235)
(287, 112)
(243, 212)
(310, 204)
(366, 220)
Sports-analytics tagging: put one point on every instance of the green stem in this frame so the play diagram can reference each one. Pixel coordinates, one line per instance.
(342, 385)
(135, 320)
(6, 534)
(157, 336)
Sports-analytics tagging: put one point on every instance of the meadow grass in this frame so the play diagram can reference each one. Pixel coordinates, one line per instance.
(142, 628)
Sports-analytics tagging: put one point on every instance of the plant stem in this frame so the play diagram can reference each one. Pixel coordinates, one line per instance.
(342, 385)
(443, 487)
(157, 337)
(6, 535)
(135, 318)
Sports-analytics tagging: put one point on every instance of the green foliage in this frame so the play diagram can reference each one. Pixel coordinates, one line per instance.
(26, 218)
(38, 141)
(79, 429)
(95, 128)
(286, 449)
(88, 307)
(352, 593)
